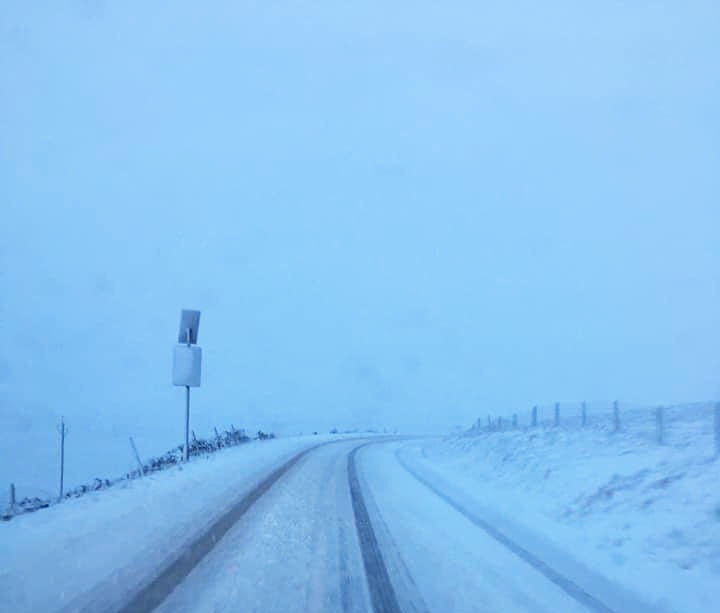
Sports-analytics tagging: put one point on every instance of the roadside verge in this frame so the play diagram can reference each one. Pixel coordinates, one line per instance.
(97, 549)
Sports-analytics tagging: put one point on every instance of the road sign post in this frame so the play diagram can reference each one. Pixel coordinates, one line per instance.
(187, 364)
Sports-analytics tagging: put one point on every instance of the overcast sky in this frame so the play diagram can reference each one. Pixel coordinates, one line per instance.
(390, 214)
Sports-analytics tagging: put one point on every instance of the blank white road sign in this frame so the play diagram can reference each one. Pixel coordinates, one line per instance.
(186, 365)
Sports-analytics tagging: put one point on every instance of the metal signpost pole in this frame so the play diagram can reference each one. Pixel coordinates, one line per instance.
(187, 359)
(187, 423)
(187, 408)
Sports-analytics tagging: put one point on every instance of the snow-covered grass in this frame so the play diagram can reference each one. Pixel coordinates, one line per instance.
(102, 544)
(173, 457)
(644, 515)
(97, 447)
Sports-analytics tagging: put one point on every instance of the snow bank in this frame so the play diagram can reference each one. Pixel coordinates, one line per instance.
(108, 541)
(643, 515)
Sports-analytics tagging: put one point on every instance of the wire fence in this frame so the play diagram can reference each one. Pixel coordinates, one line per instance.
(197, 447)
(682, 425)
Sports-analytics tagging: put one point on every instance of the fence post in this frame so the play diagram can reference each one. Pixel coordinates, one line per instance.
(717, 429)
(660, 425)
(499, 423)
(12, 498)
(489, 427)
(557, 413)
(584, 414)
(137, 457)
(616, 417)
(534, 416)
(514, 421)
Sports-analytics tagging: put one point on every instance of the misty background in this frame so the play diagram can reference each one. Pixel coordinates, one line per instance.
(397, 215)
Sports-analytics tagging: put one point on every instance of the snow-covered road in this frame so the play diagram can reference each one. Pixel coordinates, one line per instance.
(309, 524)
(296, 549)
(349, 528)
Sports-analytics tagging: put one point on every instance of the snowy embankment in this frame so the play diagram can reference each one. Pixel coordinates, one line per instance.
(110, 541)
(642, 515)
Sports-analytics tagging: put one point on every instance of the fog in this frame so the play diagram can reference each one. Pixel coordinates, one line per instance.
(397, 215)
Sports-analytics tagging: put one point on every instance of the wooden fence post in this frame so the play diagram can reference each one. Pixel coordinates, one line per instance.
(616, 417)
(137, 457)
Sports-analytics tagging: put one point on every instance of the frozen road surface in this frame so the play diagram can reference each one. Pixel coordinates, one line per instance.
(348, 527)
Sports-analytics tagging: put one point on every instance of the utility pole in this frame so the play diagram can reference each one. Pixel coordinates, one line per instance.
(63, 432)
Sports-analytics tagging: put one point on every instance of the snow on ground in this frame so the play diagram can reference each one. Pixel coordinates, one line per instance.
(31, 455)
(97, 446)
(644, 515)
(114, 538)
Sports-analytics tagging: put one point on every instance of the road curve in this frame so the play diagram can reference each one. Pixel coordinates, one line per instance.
(344, 527)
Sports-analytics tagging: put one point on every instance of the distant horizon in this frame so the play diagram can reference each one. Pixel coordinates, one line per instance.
(410, 215)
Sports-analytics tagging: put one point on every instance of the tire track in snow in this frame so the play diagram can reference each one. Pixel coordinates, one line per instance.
(382, 594)
(568, 586)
